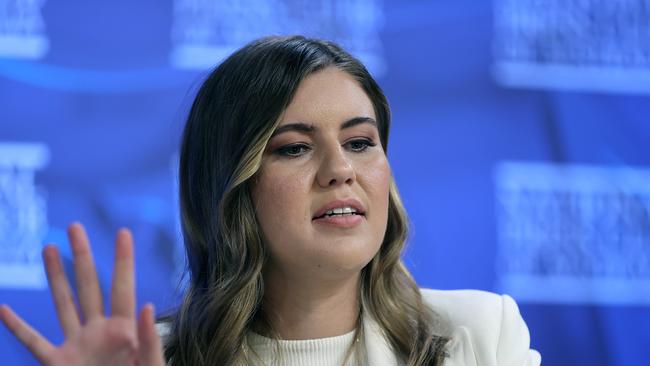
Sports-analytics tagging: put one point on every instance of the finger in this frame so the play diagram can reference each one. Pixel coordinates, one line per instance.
(123, 290)
(150, 352)
(61, 291)
(37, 345)
(90, 296)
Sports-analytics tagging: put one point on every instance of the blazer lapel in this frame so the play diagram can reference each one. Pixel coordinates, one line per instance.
(380, 353)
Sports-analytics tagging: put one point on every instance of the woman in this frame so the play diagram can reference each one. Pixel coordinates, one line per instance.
(293, 230)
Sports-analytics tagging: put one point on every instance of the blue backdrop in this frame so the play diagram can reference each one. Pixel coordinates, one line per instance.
(520, 144)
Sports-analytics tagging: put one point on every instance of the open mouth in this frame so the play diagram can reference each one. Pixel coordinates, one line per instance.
(340, 212)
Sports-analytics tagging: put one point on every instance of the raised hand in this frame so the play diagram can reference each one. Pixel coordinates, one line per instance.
(92, 338)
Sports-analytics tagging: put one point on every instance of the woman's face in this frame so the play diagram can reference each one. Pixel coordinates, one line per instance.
(322, 191)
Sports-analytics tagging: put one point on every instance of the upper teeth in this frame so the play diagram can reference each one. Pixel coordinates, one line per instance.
(341, 210)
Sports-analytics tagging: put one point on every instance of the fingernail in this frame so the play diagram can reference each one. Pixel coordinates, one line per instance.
(124, 231)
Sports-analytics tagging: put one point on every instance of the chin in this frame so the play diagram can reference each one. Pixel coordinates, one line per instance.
(348, 261)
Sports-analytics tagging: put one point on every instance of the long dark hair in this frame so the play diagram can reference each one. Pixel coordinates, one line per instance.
(231, 120)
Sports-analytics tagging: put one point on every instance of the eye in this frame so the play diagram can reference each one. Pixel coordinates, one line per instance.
(293, 150)
(359, 145)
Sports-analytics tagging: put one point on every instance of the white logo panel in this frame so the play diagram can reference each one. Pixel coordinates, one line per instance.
(205, 32)
(583, 45)
(573, 233)
(22, 30)
(23, 221)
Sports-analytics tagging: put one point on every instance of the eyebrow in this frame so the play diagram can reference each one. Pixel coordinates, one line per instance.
(308, 128)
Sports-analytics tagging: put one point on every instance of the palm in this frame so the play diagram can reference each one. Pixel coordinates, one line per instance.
(99, 340)
(111, 339)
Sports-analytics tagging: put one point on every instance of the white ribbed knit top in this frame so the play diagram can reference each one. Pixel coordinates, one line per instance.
(329, 351)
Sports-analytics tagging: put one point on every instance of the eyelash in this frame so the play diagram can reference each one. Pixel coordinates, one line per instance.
(285, 150)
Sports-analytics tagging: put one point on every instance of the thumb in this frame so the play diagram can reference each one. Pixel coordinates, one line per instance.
(150, 351)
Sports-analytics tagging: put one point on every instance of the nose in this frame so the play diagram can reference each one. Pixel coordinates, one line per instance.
(335, 169)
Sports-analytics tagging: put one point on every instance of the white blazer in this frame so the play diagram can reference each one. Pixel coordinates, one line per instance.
(487, 330)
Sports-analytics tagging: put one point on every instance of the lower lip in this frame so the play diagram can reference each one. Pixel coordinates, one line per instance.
(341, 221)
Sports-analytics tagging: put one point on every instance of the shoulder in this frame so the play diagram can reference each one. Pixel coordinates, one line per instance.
(479, 310)
(486, 328)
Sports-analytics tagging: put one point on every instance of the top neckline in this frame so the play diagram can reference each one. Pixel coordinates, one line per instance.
(258, 339)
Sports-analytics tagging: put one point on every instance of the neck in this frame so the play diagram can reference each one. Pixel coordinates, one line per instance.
(305, 308)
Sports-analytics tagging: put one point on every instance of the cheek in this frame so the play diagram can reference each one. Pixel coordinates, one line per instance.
(280, 199)
(376, 178)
